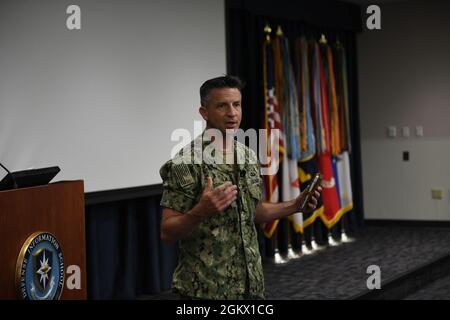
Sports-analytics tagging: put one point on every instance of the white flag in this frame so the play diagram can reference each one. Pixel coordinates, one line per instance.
(345, 183)
(291, 189)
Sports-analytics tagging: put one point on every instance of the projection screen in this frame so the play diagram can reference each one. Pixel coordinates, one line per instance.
(101, 102)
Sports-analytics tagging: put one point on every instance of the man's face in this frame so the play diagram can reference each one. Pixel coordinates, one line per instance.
(223, 109)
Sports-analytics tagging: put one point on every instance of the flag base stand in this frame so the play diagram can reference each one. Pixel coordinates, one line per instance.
(306, 250)
(292, 254)
(315, 246)
(332, 242)
(278, 259)
(345, 238)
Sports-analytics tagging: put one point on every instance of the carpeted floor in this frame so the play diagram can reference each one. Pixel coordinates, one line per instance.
(437, 290)
(340, 272)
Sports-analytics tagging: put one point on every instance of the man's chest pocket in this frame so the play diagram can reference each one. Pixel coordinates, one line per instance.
(254, 189)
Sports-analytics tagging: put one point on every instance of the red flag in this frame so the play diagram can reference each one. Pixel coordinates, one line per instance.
(330, 195)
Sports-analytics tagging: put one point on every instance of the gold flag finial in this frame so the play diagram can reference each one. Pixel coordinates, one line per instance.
(323, 40)
(267, 31)
(279, 31)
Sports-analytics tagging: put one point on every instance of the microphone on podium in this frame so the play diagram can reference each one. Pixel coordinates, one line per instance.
(12, 176)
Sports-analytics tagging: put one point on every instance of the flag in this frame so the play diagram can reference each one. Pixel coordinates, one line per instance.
(291, 190)
(307, 165)
(291, 126)
(289, 103)
(306, 171)
(335, 134)
(272, 121)
(330, 196)
(345, 184)
(343, 160)
(319, 123)
(342, 89)
(341, 131)
(308, 144)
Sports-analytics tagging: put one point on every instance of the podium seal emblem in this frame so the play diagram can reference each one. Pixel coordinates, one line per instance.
(40, 268)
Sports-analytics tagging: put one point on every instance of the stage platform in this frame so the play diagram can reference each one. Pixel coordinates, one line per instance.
(411, 260)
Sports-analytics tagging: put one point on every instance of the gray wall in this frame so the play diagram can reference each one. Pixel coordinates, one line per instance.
(404, 80)
(102, 102)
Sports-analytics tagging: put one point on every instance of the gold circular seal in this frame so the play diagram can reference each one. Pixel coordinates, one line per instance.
(40, 268)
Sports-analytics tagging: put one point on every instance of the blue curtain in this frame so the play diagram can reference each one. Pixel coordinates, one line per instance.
(125, 256)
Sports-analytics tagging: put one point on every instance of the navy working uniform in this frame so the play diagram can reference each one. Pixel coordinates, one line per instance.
(220, 259)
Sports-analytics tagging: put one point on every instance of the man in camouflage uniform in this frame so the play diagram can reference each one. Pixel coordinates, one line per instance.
(212, 206)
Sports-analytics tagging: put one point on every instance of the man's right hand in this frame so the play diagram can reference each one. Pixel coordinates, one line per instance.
(215, 201)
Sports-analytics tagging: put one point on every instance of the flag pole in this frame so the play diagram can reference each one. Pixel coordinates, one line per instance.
(344, 237)
(291, 254)
(277, 258)
(305, 250)
(331, 241)
(314, 245)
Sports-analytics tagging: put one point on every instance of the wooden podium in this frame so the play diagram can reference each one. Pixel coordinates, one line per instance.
(56, 208)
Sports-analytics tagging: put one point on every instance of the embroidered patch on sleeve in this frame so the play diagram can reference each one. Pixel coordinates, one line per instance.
(183, 174)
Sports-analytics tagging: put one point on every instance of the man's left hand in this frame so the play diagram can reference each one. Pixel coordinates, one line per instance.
(312, 203)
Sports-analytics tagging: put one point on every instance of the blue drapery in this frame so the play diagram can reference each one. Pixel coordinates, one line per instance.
(125, 256)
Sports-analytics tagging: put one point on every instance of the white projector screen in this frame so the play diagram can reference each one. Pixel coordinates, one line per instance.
(101, 102)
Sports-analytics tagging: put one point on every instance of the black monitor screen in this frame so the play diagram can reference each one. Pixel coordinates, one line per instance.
(29, 178)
